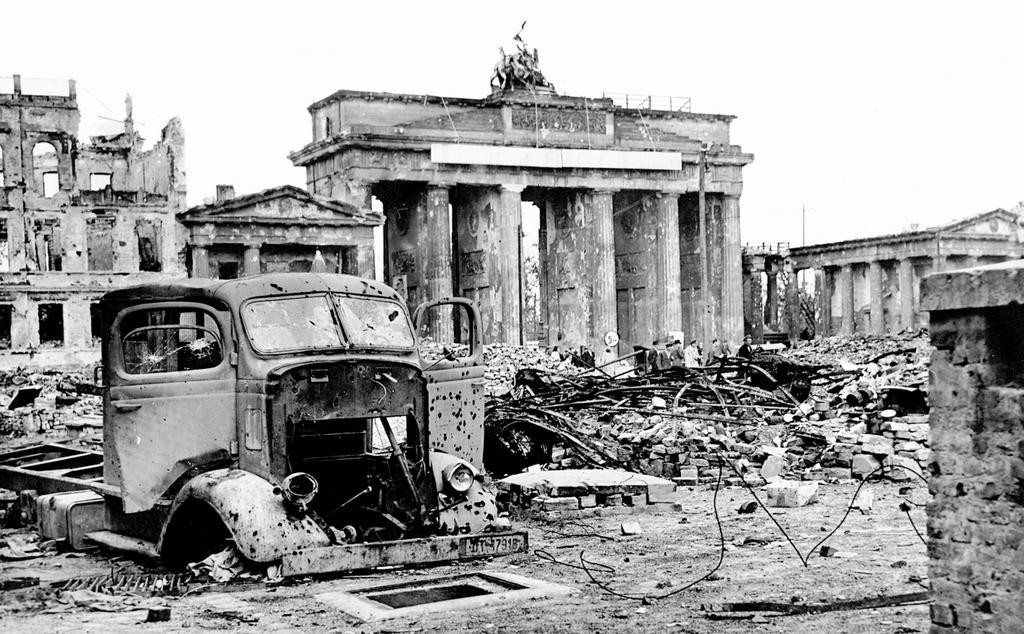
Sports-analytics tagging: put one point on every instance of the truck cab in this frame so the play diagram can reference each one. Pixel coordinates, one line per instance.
(294, 415)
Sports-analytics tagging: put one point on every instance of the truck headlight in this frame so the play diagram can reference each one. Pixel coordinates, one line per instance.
(299, 489)
(458, 477)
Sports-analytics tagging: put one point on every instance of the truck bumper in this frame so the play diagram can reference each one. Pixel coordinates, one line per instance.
(319, 560)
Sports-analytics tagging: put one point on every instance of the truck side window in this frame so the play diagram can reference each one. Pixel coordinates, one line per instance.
(171, 339)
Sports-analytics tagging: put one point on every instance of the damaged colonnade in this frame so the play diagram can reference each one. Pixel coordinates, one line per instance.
(618, 192)
(870, 285)
(76, 220)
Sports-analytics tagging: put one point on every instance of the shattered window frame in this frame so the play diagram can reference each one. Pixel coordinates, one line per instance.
(211, 321)
(248, 327)
(351, 340)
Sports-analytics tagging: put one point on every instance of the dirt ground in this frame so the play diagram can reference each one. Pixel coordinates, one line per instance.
(878, 554)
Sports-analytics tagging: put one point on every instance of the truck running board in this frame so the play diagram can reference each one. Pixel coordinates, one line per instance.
(311, 561)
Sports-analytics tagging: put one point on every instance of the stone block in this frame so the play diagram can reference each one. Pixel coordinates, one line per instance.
(688, 476)
(863, 464)
(588, 501)
(896, 468)
(657, 492)
(838, 473)
(547, 504)
(609, 499)
(630, 527)
(772, 467)
(792, 494)
(907, 445)
(874, 444)
(892, 425)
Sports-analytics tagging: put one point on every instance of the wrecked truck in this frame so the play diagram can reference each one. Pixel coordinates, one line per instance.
(291, 414)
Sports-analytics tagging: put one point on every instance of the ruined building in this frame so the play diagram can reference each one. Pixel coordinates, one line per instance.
(76, 220)
(638, 204)
(279, 230)
(870, 285)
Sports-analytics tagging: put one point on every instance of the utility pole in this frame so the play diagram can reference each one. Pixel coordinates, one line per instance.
(702, 225)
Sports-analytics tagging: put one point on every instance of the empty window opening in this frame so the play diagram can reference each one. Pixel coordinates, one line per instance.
(328, 127)
(98, 181)
(44, 168)
(227, 270)
(100, 243)
(51, 184)
(6, 310)
(48, 244)
(51, 325)
(2, 182)
(148, 232)
(5, 247)
(96, 324)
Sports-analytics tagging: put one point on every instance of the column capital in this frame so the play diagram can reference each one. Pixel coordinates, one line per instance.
(663, 194)
(437, 186)
(513, 188)
(603, 190)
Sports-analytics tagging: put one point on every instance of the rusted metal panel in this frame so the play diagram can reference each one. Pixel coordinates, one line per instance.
(261, 526)
(410, 551)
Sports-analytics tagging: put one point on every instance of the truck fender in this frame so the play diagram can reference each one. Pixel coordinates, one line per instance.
(474, 511)
(262, 527)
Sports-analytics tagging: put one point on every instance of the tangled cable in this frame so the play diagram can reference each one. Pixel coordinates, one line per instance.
(590, 567)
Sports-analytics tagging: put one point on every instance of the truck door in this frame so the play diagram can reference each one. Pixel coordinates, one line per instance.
(452, 356)
(171, 401)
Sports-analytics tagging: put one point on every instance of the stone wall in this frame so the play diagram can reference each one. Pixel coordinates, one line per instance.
(976, 517)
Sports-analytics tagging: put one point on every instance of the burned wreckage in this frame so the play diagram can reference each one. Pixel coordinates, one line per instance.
(291, 414)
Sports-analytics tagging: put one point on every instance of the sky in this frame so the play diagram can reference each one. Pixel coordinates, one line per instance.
(871, 116)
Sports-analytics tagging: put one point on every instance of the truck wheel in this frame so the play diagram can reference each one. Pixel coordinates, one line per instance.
(194, 533)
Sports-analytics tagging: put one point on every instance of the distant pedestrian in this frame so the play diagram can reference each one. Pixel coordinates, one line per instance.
(747, 350)
(718, 351)
(691, 355)
(675, 354)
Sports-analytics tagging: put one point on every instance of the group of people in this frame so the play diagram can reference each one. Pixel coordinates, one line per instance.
(691, 355)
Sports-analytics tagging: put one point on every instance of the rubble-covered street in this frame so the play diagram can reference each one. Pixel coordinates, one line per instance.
(697, 554)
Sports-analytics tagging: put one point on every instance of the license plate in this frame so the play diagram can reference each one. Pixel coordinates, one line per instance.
(488, 545)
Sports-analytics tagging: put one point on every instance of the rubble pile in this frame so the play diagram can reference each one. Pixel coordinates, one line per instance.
(41, 401)
(805, 416)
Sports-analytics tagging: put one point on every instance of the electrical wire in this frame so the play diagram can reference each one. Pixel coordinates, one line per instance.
(590, 567)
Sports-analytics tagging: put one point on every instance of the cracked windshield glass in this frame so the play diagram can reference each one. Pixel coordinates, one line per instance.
(370, 322)
(292, 323)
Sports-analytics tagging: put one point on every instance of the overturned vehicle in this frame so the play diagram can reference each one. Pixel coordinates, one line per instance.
(292, 414)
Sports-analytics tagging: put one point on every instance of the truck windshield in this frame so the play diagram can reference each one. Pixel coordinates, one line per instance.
(291, 323)
(372, 322)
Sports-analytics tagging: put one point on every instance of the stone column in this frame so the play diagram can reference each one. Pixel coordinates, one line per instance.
(666, 266)
(251, 260)
(756, 307)
(793, 309)
(823, 288)
(877, 307)
(906, 294)
(437, 258)
(364, 260)
(200, 262)
(508, 282)
(732, 274)
(846, 295)
(603, 317)
(771, 300)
